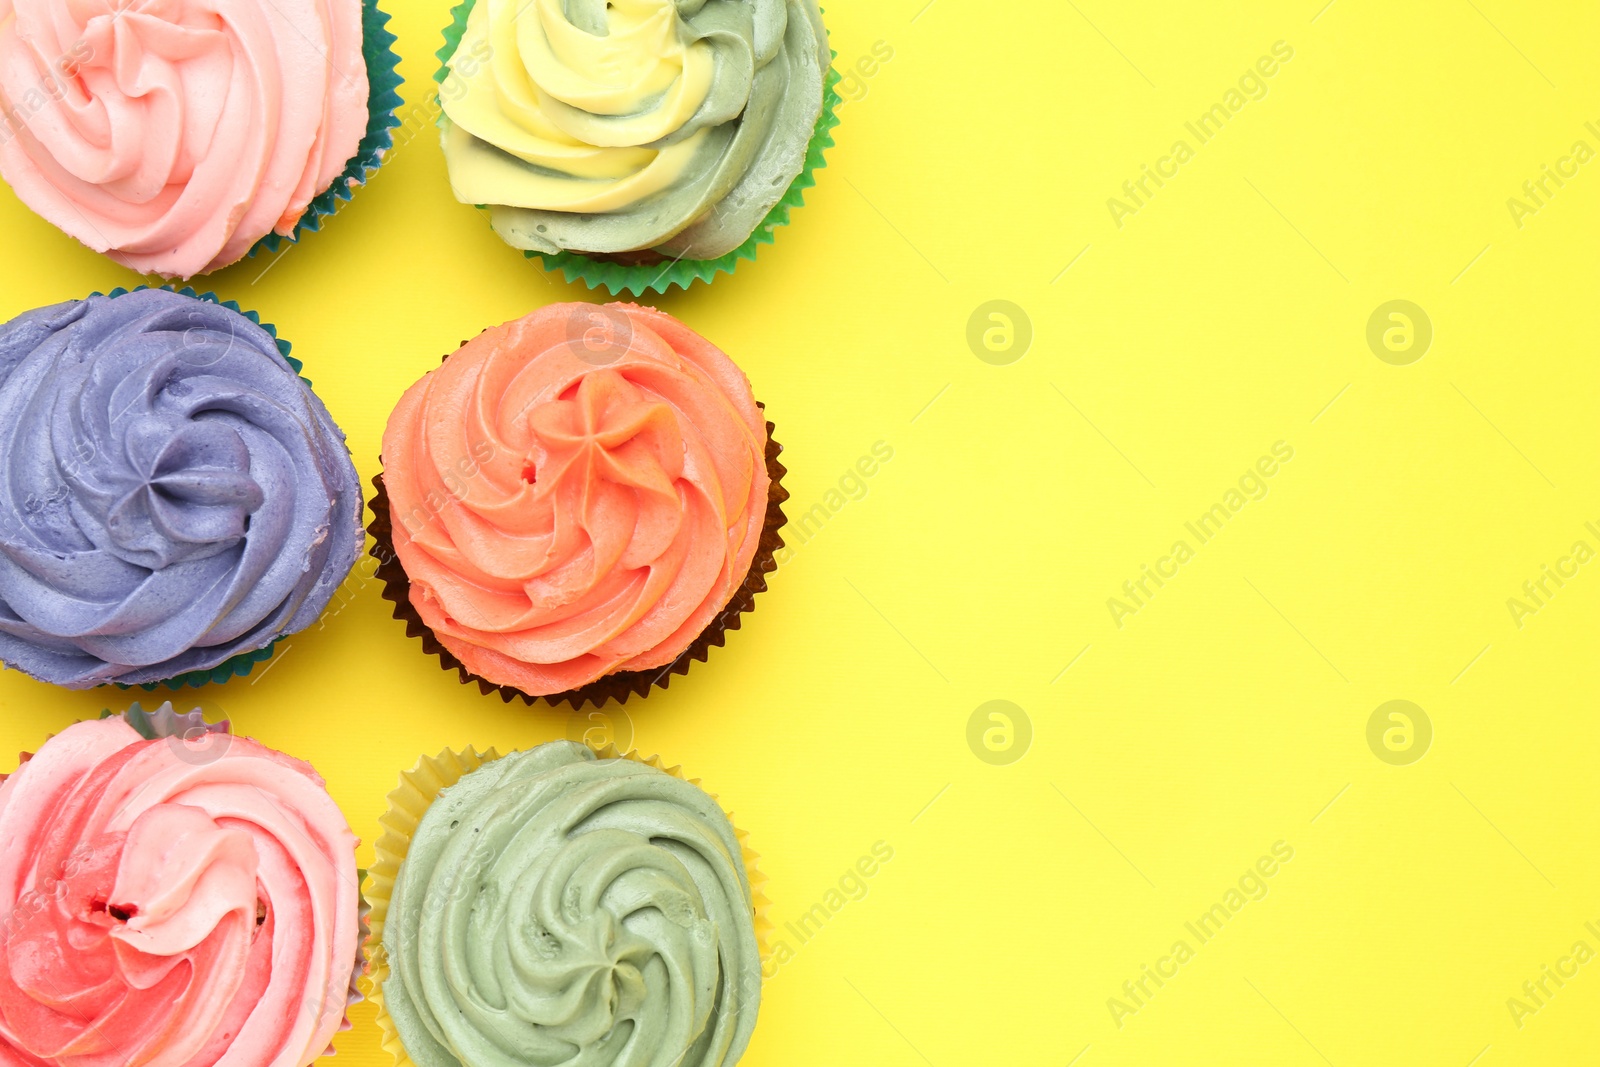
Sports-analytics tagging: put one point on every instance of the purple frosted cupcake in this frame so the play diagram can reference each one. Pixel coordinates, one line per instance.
(173, 498)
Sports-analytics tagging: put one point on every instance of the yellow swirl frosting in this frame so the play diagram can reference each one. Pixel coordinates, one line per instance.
(664, 125)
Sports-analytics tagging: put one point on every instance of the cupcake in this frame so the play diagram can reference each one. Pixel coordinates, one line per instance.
(175, 497)
(602, 906)
(577, 504)
(177, 137)
(638, 144)
(172, 894)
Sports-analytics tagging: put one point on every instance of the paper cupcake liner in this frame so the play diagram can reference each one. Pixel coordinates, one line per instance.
(229, 669)
(418, 788)
(383, 100)
(353, 994)
(639, 279)
(152, 725)
(618, 686)
(242, 664)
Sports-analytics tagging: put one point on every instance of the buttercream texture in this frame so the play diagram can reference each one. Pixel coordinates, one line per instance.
(668, 125)
(559, 909)
(171, 905)
(172, 494)
(577, 492)
(172, 135)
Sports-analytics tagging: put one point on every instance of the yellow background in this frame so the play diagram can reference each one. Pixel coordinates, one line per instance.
(1230, 712)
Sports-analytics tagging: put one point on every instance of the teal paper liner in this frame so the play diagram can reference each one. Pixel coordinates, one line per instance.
(229, 669)
(245, 662)
(383, 100)
(661, 277)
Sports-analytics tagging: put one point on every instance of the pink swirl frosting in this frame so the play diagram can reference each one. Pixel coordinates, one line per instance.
(576, 492)
(174, 134)
(169, 908)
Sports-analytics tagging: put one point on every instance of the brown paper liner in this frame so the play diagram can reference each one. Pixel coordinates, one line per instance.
(620, 685)
(409, 801)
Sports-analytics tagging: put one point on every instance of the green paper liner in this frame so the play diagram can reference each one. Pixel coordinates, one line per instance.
(620, 685)
(639, 279)
(383, 100)
(242, 664)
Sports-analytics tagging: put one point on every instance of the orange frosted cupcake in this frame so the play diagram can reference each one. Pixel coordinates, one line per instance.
(578, 503)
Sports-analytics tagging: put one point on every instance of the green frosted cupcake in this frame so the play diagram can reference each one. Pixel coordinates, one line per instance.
(630, 144)
(605, 904)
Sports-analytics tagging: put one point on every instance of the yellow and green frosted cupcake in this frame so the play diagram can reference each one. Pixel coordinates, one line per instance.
(636, 144)
(603, 904)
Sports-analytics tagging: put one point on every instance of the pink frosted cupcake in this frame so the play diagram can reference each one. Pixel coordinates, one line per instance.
(176, 136)
(171, 895)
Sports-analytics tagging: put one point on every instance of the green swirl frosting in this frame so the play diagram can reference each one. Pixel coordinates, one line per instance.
(611, 126)
(556, 908)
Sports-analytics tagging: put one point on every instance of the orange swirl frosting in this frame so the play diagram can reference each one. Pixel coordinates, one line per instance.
(576, 492)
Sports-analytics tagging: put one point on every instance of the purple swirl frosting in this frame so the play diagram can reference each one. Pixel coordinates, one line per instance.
(172, 493)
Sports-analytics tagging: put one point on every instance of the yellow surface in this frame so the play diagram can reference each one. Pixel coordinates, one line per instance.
(1230, 712)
